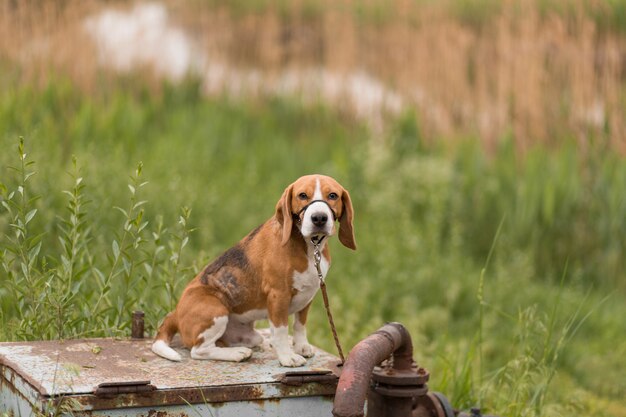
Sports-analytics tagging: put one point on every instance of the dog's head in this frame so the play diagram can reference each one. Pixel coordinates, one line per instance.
(313, 203)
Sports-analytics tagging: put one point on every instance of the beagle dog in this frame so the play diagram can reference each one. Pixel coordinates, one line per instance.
(269, 274)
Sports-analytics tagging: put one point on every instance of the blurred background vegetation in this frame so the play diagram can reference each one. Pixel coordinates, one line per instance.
(482, 142)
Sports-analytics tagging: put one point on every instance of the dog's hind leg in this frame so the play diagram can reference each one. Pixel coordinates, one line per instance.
(202, 321)
(207, 349)
(202, 325)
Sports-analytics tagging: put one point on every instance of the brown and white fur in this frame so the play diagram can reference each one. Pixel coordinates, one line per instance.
(270, 274)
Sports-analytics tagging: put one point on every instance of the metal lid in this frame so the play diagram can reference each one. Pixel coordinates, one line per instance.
(79, 367)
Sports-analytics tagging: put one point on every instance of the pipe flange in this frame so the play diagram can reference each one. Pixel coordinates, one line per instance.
(400, 391)
(386, 374)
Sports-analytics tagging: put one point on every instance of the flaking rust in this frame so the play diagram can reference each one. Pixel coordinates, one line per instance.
(108, 374)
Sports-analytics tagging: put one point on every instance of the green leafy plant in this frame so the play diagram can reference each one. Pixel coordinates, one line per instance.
(27, 278)
(71, 289)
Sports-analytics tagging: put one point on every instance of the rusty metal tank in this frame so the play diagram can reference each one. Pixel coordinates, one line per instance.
(122, 377)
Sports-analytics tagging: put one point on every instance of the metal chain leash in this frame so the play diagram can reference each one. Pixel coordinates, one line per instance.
(317, 255)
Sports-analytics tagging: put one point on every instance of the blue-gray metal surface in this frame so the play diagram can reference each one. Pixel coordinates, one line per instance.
(66, 374)
(285, 407)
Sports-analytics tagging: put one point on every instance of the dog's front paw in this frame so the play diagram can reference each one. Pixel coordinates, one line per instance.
(291, 360)
(304, 349)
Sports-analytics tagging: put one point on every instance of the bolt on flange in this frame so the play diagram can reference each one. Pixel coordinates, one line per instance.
(390, 381)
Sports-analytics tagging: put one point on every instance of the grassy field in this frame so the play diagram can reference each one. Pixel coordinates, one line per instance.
(507, 270)
(490, 204)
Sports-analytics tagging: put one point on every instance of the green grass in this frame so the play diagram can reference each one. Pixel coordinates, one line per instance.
(609, 16)
(537, 330)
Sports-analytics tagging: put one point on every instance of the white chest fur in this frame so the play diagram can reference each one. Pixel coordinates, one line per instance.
(306, 284)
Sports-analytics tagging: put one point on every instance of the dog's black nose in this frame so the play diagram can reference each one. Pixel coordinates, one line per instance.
(319, 219)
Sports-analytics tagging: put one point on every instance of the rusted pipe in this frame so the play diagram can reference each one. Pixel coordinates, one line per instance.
(357, 371)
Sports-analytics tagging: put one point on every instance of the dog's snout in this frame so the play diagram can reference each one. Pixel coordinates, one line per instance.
(319, 219)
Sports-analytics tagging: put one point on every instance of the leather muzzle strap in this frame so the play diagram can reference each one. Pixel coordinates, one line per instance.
(296, 216)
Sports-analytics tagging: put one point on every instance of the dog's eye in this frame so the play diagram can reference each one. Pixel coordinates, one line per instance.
(303, 196)
(333, 196)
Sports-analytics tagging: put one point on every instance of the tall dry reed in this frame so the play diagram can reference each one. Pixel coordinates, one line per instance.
(523, 71)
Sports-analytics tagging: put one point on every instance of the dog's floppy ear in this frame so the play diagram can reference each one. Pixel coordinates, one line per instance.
(284, 215)
(346, 231)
